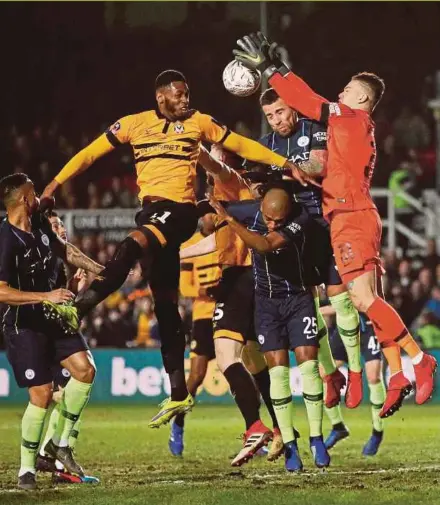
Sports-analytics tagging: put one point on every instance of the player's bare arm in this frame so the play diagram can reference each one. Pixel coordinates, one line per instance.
(79, 163)
(12, 296)
(73, 256)
(205, 246)
(316, 163)
(217, 168)
(262, 244)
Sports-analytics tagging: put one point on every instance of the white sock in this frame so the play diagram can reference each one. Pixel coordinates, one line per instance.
(26, 469)
(418, 358)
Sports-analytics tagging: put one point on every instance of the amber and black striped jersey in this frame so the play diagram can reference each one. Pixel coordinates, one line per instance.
(165, 152)
(199, 272)
(231, 249)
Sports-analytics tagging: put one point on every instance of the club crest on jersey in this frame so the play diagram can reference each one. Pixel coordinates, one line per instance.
(303, 141)
(115, 127)
(261, 339)
(45, 239)
(29, 374)
(179, 128)
(65, 372)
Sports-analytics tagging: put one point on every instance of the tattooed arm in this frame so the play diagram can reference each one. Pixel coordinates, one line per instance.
(74, 257)
(79, 260)
(316, 164)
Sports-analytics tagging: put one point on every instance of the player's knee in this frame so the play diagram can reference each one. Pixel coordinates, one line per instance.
(226, 353)
(253, 358)
(306, 353)
(41, 396)
(373, 375)
(343, 303)
(84, 371)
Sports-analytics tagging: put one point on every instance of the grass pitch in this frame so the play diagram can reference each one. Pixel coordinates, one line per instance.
(135, 466)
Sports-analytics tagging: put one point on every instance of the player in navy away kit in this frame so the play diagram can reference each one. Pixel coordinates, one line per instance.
(372, 355)
(27, 249)
(75, 280)
(285, 314)
(304, 141)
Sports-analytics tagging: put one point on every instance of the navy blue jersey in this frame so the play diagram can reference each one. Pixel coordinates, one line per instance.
(280, 273)
(27, 263)
(307, 136)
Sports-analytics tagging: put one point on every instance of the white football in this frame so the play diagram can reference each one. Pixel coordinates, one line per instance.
(239, 80)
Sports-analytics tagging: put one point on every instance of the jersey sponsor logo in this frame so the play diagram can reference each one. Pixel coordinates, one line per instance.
(45, 239)
(29, 374)
(301, 157)
(178, 127)
(294, 227)
(114, 128)
(320, 136)
(334, 109)
(261, 339)
(303, 141)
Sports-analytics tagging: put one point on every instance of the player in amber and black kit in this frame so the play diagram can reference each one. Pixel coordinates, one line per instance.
(166, 144)
(355, 225)
(33, 346)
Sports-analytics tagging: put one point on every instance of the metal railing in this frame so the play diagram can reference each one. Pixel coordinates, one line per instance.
(428, 207)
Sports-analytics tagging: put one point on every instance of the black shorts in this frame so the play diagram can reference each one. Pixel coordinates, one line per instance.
(60, 376)
(370, 347)
(234, 309)
(202, 342)
(320, 264)
(286, 323)
(169, 224)
(33, 355)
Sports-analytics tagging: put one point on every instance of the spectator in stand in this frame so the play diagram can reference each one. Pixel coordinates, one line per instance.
(147, 327)
(391, 265)
(410, 130)
(433, 304)
(418, 298)
(93, 196)
(404, 270)
(117, 196)
(401, 302)
(426, 280)
(431, 259)
(429, 331)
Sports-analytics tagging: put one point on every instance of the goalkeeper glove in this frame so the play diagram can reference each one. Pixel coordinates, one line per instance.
(260, 55)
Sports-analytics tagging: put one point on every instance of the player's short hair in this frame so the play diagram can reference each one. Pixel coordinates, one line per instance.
(53, 213)
(374, 82)
(167, 77)
(9, 184)
(268, 97)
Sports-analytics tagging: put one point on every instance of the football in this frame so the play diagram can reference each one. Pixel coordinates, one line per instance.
(239, 80)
